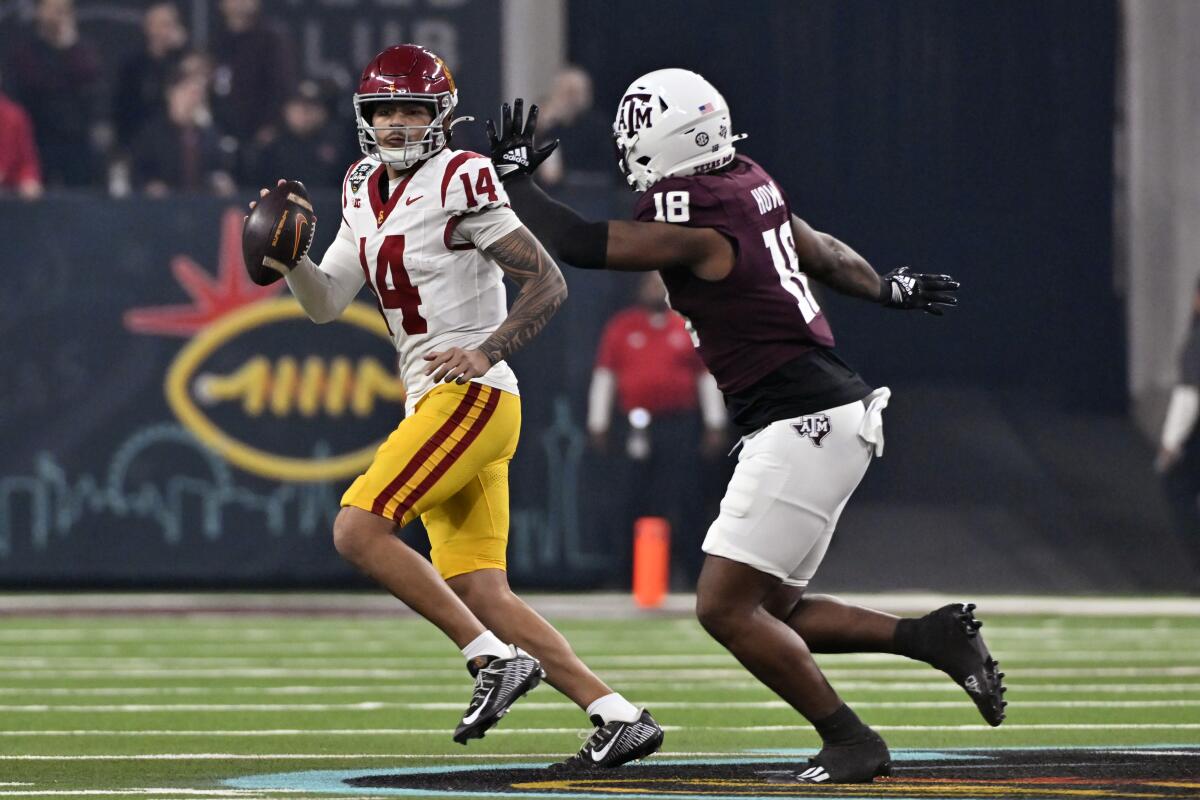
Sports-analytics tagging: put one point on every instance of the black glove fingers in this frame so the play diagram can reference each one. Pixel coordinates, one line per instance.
(493, 139)
(531, 121)
(941, 297)
(545, 150)
(505, 120)
(518, 115)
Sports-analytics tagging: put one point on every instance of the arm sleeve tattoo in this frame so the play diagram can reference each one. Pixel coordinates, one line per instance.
(543, 290)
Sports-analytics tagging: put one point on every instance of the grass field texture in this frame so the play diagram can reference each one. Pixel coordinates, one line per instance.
(170, 706)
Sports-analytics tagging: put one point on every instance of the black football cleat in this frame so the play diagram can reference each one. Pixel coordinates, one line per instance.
(859, 762)
(498, 685)
(960, 652)
(615, 743)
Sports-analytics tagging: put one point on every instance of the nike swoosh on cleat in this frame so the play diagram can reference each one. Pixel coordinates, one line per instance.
(408, 201)
(598, 755)
(474, 715)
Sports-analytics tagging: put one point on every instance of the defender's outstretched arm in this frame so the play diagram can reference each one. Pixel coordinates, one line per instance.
(618, 245)
(835, 264)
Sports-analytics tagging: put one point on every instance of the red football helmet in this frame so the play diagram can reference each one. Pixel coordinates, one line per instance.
(409, 73)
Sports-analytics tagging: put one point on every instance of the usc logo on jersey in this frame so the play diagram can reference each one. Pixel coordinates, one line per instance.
(245, 389)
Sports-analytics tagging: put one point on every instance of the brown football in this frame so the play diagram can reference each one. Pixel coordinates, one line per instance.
(278, 232)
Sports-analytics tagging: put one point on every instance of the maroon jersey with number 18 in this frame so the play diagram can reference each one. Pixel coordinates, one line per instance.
(762, 315)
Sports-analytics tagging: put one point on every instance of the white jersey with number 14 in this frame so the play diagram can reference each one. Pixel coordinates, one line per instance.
(421, 253)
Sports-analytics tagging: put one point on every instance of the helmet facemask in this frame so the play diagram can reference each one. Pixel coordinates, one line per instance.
(633, 172)
(421, 141)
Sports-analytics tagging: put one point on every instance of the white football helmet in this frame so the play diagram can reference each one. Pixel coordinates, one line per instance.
(670, 123)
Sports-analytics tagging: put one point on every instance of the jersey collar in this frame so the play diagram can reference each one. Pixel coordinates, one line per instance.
(383, 210)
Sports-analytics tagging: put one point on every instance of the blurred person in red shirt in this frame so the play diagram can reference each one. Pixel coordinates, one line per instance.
(20, 171)
(670, 411)
(55, 74)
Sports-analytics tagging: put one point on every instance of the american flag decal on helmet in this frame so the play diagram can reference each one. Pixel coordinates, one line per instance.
(707, 107)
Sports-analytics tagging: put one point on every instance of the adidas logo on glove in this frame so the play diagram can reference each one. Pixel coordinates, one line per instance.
(518, 156)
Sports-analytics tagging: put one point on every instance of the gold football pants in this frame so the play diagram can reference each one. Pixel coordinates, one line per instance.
(447, 463)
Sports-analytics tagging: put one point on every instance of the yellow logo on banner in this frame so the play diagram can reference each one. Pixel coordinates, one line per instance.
(231, 307)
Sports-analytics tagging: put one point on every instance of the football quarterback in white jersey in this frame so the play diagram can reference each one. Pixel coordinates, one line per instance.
(430, 232)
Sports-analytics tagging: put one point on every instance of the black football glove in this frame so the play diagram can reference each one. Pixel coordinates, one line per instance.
(903, 288)
(513, 150)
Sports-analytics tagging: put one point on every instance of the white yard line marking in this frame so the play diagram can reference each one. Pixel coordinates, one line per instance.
(617, 605)
(299, 732)
(977, 728)
(155, 791)
(554, 706)
(935, 685)
(144, 708)
(682, 661)
(981, 728)
(684, 705)
(678, 673)
(506, 757)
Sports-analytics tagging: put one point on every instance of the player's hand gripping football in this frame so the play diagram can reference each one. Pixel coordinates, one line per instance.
(278, 231)
(456, 364)
(905, 289)
(513, 150)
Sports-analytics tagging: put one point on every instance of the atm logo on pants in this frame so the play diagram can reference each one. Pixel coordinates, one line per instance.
(814, 427)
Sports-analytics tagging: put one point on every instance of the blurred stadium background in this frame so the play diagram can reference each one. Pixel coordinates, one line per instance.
(1044, 153)
(168, 427)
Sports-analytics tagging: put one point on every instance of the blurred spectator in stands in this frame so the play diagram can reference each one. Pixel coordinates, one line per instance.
(253, 74)
(196, 64)
(142, 79)
(180, 150)
(585, 153)
(1179, 447)
(19, 169)
(55, 74)
(305, 147)
(671, 411)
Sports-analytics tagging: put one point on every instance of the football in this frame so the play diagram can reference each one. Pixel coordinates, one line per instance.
(278, 232)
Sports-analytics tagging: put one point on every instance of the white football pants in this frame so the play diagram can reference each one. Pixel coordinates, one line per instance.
(792, 481)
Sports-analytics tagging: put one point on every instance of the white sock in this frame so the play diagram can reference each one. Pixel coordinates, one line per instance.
(614, 708)
(486, 644)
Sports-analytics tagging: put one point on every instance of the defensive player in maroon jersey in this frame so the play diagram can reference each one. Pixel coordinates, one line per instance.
(736, 262)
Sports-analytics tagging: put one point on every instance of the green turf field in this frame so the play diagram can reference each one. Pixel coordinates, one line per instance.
(170, 706)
